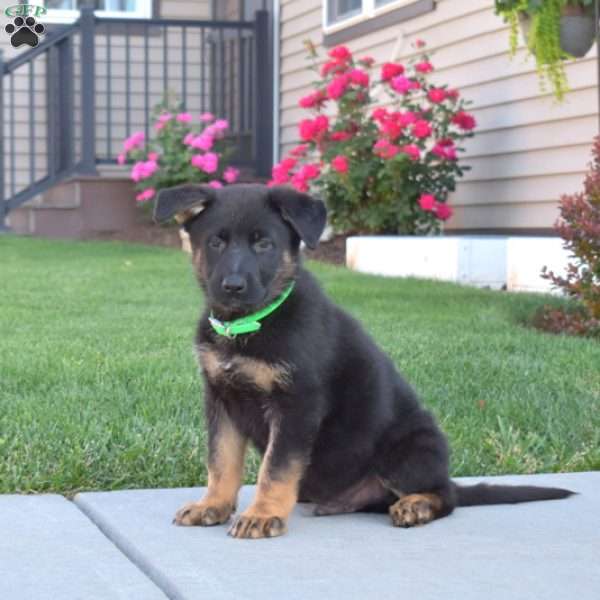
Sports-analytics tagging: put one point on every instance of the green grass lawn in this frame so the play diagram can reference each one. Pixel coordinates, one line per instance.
(99, 387)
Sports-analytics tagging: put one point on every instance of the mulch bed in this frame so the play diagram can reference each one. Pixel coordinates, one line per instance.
(332, 251)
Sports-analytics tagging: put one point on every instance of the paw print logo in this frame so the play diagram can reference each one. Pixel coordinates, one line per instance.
(24, 31)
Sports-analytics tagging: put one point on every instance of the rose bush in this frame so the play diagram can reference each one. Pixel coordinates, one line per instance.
(183, 150)
(381, 169)
(579, 227)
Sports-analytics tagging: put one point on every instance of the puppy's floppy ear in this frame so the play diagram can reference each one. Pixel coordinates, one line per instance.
(307, 215)
(182, 202)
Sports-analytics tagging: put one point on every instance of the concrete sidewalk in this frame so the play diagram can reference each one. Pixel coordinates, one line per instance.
(122, 545)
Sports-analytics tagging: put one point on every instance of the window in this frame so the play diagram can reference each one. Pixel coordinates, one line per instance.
(67, 11)
(346, 12)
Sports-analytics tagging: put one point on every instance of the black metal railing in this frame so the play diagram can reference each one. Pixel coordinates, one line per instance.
(67, 105)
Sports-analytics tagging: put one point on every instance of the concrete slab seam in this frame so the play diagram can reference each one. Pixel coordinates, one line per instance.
(129, 551)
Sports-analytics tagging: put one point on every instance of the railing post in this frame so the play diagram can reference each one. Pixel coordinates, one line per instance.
(3, 207)
(88, 93)
(263, 102)
(65, 91)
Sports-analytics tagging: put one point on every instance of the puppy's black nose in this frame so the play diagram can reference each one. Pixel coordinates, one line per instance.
(234, 284)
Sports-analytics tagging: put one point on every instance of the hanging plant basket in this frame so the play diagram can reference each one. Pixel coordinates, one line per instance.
(577, 30)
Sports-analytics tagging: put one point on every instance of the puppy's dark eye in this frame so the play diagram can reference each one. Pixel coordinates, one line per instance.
(263, 245)
(216, 243)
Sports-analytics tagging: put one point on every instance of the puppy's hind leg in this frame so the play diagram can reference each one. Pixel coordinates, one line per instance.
(413, 464)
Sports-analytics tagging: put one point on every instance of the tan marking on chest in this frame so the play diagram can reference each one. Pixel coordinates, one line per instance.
(261, 374)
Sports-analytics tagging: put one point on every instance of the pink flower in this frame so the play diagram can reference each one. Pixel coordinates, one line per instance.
(304, 175)
(359, 77)
(311, 171)
(407, 118)
(299, 150)
(313, 129)
(401, 84)
(421, 129)
(143, 170)
(221, 125)
(281, 172)
(340, 53)
(445, 149)
(414, 153)
(121, 159)
(424, 67)
(145, 195)
(162, 120)
(202, 142)
(385, 149)
(379, 114)
(184, 117)
(337, 87)
(427, 202)
(316, 99)
(443, 211)
(437, 95)
(391, 70)
(231, 175)
(208, 162)
(215, 183)
(340, 136)
(135, 140)
(187, 140)
(153, 156)
(464, 120)
(340, 164)
(207, 117)
(452, 94)
(332, 66)
(420, 44)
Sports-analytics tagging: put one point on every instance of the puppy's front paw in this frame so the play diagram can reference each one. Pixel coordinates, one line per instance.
(415, 509)
(203, 513)
(254, 526)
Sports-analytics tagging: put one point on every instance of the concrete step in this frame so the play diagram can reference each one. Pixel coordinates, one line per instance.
(50, 550)
(530, 551)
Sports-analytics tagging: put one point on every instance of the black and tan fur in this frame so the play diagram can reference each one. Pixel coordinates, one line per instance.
(335, 422)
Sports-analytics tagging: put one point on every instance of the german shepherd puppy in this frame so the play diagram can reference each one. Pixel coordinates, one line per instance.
(334, 421)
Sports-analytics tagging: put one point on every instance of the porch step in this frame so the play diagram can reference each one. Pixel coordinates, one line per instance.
(76, 208)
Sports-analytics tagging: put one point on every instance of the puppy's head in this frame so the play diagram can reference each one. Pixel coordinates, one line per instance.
(245, 239)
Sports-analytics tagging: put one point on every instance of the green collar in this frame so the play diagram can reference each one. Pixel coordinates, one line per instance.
(249, 323)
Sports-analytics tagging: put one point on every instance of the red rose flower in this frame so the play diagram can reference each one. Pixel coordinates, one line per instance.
(340, 136)
(436, 95)
(340, 164)
(311, 100)
(384, 149)
(427, 202)
(413, 151)
(337, 88)
(379, 114)
(424, 67)
(464, 120)
(359, 77)
(389, 70)
(442, 211)
(340, 53)
(421, 129)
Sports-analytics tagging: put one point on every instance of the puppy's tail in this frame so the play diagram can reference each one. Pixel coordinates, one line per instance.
(482, 493)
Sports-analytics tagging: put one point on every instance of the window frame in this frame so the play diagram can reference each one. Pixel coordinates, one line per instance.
(368, 11)
(64, 16)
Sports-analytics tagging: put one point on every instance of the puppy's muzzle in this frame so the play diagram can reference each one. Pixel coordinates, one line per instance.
(234, 285)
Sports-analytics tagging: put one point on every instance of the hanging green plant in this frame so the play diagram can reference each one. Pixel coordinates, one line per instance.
(549, 27)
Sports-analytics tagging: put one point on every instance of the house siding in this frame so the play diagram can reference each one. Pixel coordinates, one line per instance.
(527, 150)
